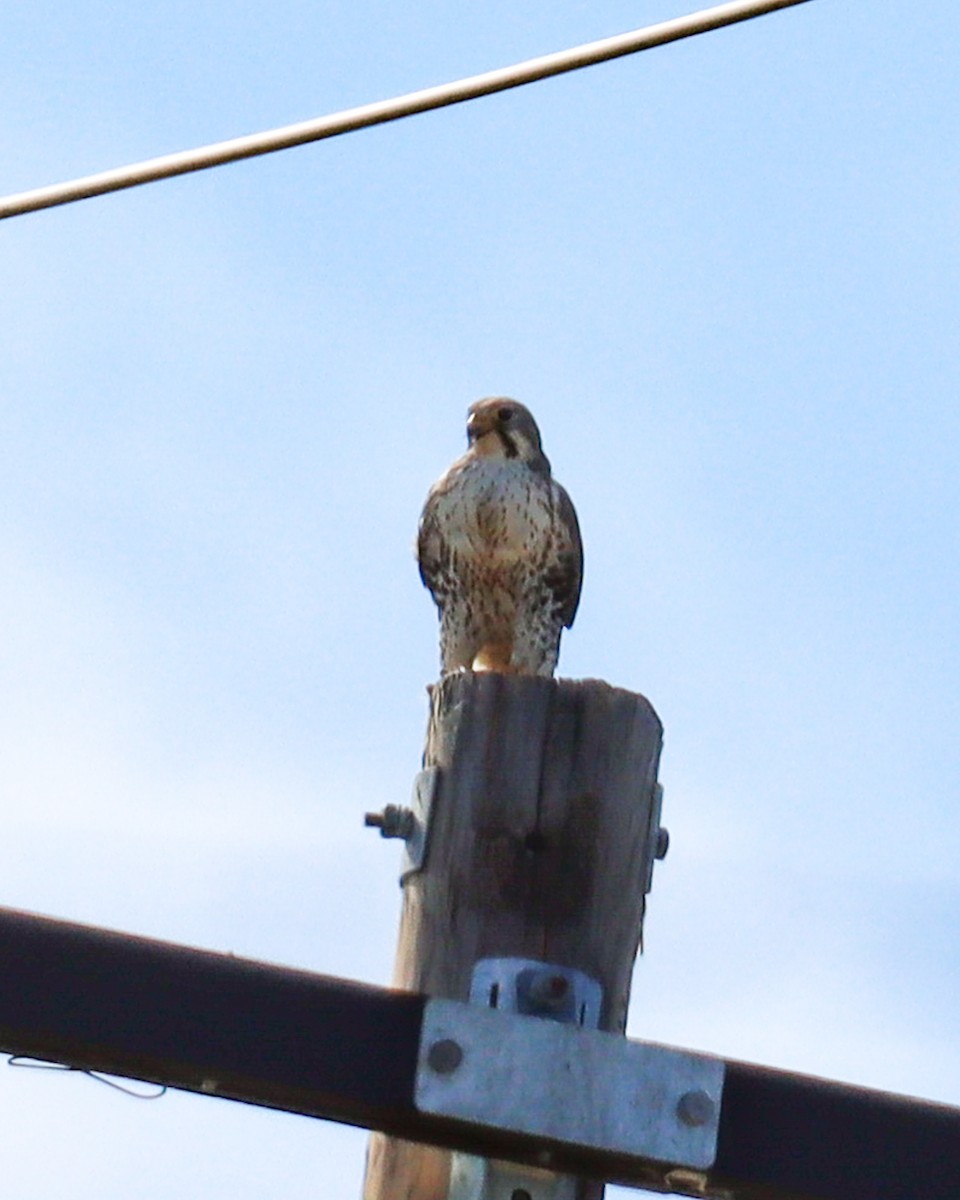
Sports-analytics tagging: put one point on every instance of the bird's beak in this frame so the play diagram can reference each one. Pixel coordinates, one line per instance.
(478, 424)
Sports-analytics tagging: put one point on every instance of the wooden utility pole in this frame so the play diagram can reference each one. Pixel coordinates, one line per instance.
(541, 836)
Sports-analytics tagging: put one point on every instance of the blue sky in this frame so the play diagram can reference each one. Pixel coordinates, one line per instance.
(724, 276)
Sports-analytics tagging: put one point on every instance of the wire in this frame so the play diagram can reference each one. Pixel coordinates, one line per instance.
(23, 1060)
(382, 111)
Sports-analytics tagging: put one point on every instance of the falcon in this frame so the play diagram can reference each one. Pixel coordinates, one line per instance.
(499, 548)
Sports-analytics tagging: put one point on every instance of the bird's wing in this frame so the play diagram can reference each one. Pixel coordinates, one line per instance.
(429, 544)
(432, 550)
(565, 578)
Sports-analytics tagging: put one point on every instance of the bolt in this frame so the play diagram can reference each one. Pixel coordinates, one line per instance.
(695, 1108)
(394, 822)
(663, 843)
(445, 1056)
(549, 990)
(545, 992)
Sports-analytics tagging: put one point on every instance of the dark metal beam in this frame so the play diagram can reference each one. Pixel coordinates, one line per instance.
(306, 1043)
(206, 1022)
(785, 1135)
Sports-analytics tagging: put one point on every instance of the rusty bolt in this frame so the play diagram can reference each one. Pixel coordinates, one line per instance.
(394, 822)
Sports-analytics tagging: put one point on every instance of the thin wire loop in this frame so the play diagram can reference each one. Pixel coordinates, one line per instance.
(40, 1064)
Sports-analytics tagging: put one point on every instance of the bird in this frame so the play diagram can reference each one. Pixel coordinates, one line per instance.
(499, 548)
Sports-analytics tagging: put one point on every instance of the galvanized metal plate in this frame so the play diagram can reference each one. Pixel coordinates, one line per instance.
(421, 803)
(489, 1179)
(653, 836)
(494, 985)
(568, 1084)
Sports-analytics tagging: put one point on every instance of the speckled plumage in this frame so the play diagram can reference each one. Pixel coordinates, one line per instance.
(499, 548)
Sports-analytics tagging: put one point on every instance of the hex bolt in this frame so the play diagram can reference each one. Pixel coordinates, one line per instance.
(394, 822)
(663, 843)
(544, 991)
(549, 990)
(445, 1056)
(695, 1108)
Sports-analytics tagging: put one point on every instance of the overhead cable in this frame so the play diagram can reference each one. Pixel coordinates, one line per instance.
(382, 111)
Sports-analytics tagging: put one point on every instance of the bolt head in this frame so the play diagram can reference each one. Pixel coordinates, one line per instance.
(445, 1056)
(695, 1108)
(549, 989)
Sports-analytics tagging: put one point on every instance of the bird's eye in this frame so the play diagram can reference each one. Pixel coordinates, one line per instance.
(505, 414)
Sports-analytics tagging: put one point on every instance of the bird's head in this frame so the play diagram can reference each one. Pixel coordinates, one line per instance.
(502, 428)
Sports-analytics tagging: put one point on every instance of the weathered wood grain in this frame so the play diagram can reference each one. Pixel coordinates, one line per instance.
(541, 834)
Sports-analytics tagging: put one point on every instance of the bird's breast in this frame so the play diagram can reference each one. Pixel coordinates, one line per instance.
(500, 511)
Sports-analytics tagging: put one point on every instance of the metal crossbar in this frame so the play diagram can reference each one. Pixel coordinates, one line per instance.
(287, 1039)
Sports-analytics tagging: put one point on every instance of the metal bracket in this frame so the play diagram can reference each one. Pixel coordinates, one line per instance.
(565, 1084)
(473, 1178)
(534, 989)
(421, 803)
(412, 824)
(658, 838)
(537, 989)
